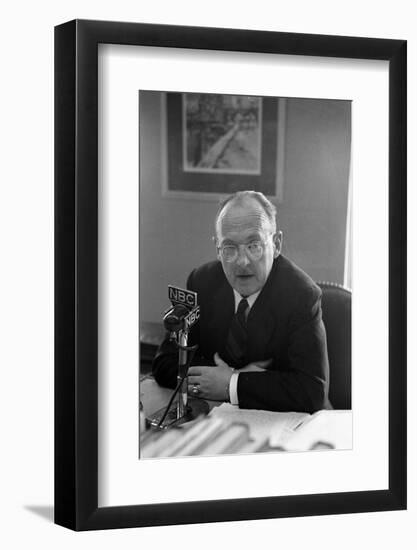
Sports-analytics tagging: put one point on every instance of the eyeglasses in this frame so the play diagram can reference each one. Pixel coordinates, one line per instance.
(253, 250)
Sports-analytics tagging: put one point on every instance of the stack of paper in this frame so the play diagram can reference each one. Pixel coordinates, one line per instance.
(263, 425)
(324, 429)
(205, 436)
(230, 430)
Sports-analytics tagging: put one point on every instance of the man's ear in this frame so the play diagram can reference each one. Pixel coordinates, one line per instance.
(277, 238)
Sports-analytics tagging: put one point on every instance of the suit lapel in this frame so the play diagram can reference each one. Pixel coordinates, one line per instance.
(222, 311)
(262, 318)
(260, 327)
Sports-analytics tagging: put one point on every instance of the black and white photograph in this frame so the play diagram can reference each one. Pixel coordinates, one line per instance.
(246, 277)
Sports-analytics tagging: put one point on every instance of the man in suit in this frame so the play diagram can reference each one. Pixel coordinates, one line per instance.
(261, 340)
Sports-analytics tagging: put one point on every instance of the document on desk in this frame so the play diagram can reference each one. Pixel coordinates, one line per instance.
(331, 429)
(263, 425)
(230, 430)
(293, 431)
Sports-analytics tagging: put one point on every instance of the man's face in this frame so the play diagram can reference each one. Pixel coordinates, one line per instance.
(244, 224)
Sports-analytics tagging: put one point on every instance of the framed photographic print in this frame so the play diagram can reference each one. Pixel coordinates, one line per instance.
(149, 116)
(217, 144)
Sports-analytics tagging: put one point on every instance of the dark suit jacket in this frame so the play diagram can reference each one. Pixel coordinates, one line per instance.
(284, 324)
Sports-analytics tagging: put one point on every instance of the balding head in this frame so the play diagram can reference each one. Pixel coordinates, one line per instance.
(244, 199)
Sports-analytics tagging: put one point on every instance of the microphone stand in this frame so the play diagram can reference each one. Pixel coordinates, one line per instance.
(183, 365)
(186, 408)
(182, 373)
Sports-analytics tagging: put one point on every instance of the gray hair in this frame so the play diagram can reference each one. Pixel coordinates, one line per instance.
(241, 197)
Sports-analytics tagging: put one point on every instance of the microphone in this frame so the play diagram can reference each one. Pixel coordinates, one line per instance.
(174, 318)
(178, 319)
(184, 311)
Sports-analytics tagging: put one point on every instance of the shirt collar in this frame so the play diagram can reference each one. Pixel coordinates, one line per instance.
(250, 299)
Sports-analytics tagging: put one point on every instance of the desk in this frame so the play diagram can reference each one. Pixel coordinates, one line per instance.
(286, 431)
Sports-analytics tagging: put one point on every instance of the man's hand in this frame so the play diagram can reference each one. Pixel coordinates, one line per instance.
(211, 382)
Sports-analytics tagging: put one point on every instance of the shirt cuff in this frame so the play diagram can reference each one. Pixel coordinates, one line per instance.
(233, 389)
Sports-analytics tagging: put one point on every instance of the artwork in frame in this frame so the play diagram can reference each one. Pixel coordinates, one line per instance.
(217, 144)
(78, 231)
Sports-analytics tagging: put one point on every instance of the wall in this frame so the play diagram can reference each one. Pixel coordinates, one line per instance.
(175, 234)
(314, 209)
(26, 277)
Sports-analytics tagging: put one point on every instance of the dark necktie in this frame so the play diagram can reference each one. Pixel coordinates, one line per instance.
(237, 338)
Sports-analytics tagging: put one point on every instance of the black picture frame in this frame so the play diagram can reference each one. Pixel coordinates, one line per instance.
(76, 271)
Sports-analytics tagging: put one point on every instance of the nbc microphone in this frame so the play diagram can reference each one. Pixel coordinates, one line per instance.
(178, 320)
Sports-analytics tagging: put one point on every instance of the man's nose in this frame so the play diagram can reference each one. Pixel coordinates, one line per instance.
(242, 258)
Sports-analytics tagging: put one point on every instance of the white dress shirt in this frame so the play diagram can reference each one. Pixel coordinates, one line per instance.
(233, 380)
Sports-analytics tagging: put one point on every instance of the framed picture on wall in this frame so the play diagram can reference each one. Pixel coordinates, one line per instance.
(101, 70)
(217, 144)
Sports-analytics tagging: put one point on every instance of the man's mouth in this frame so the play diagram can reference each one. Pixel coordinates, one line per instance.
(244, 275)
